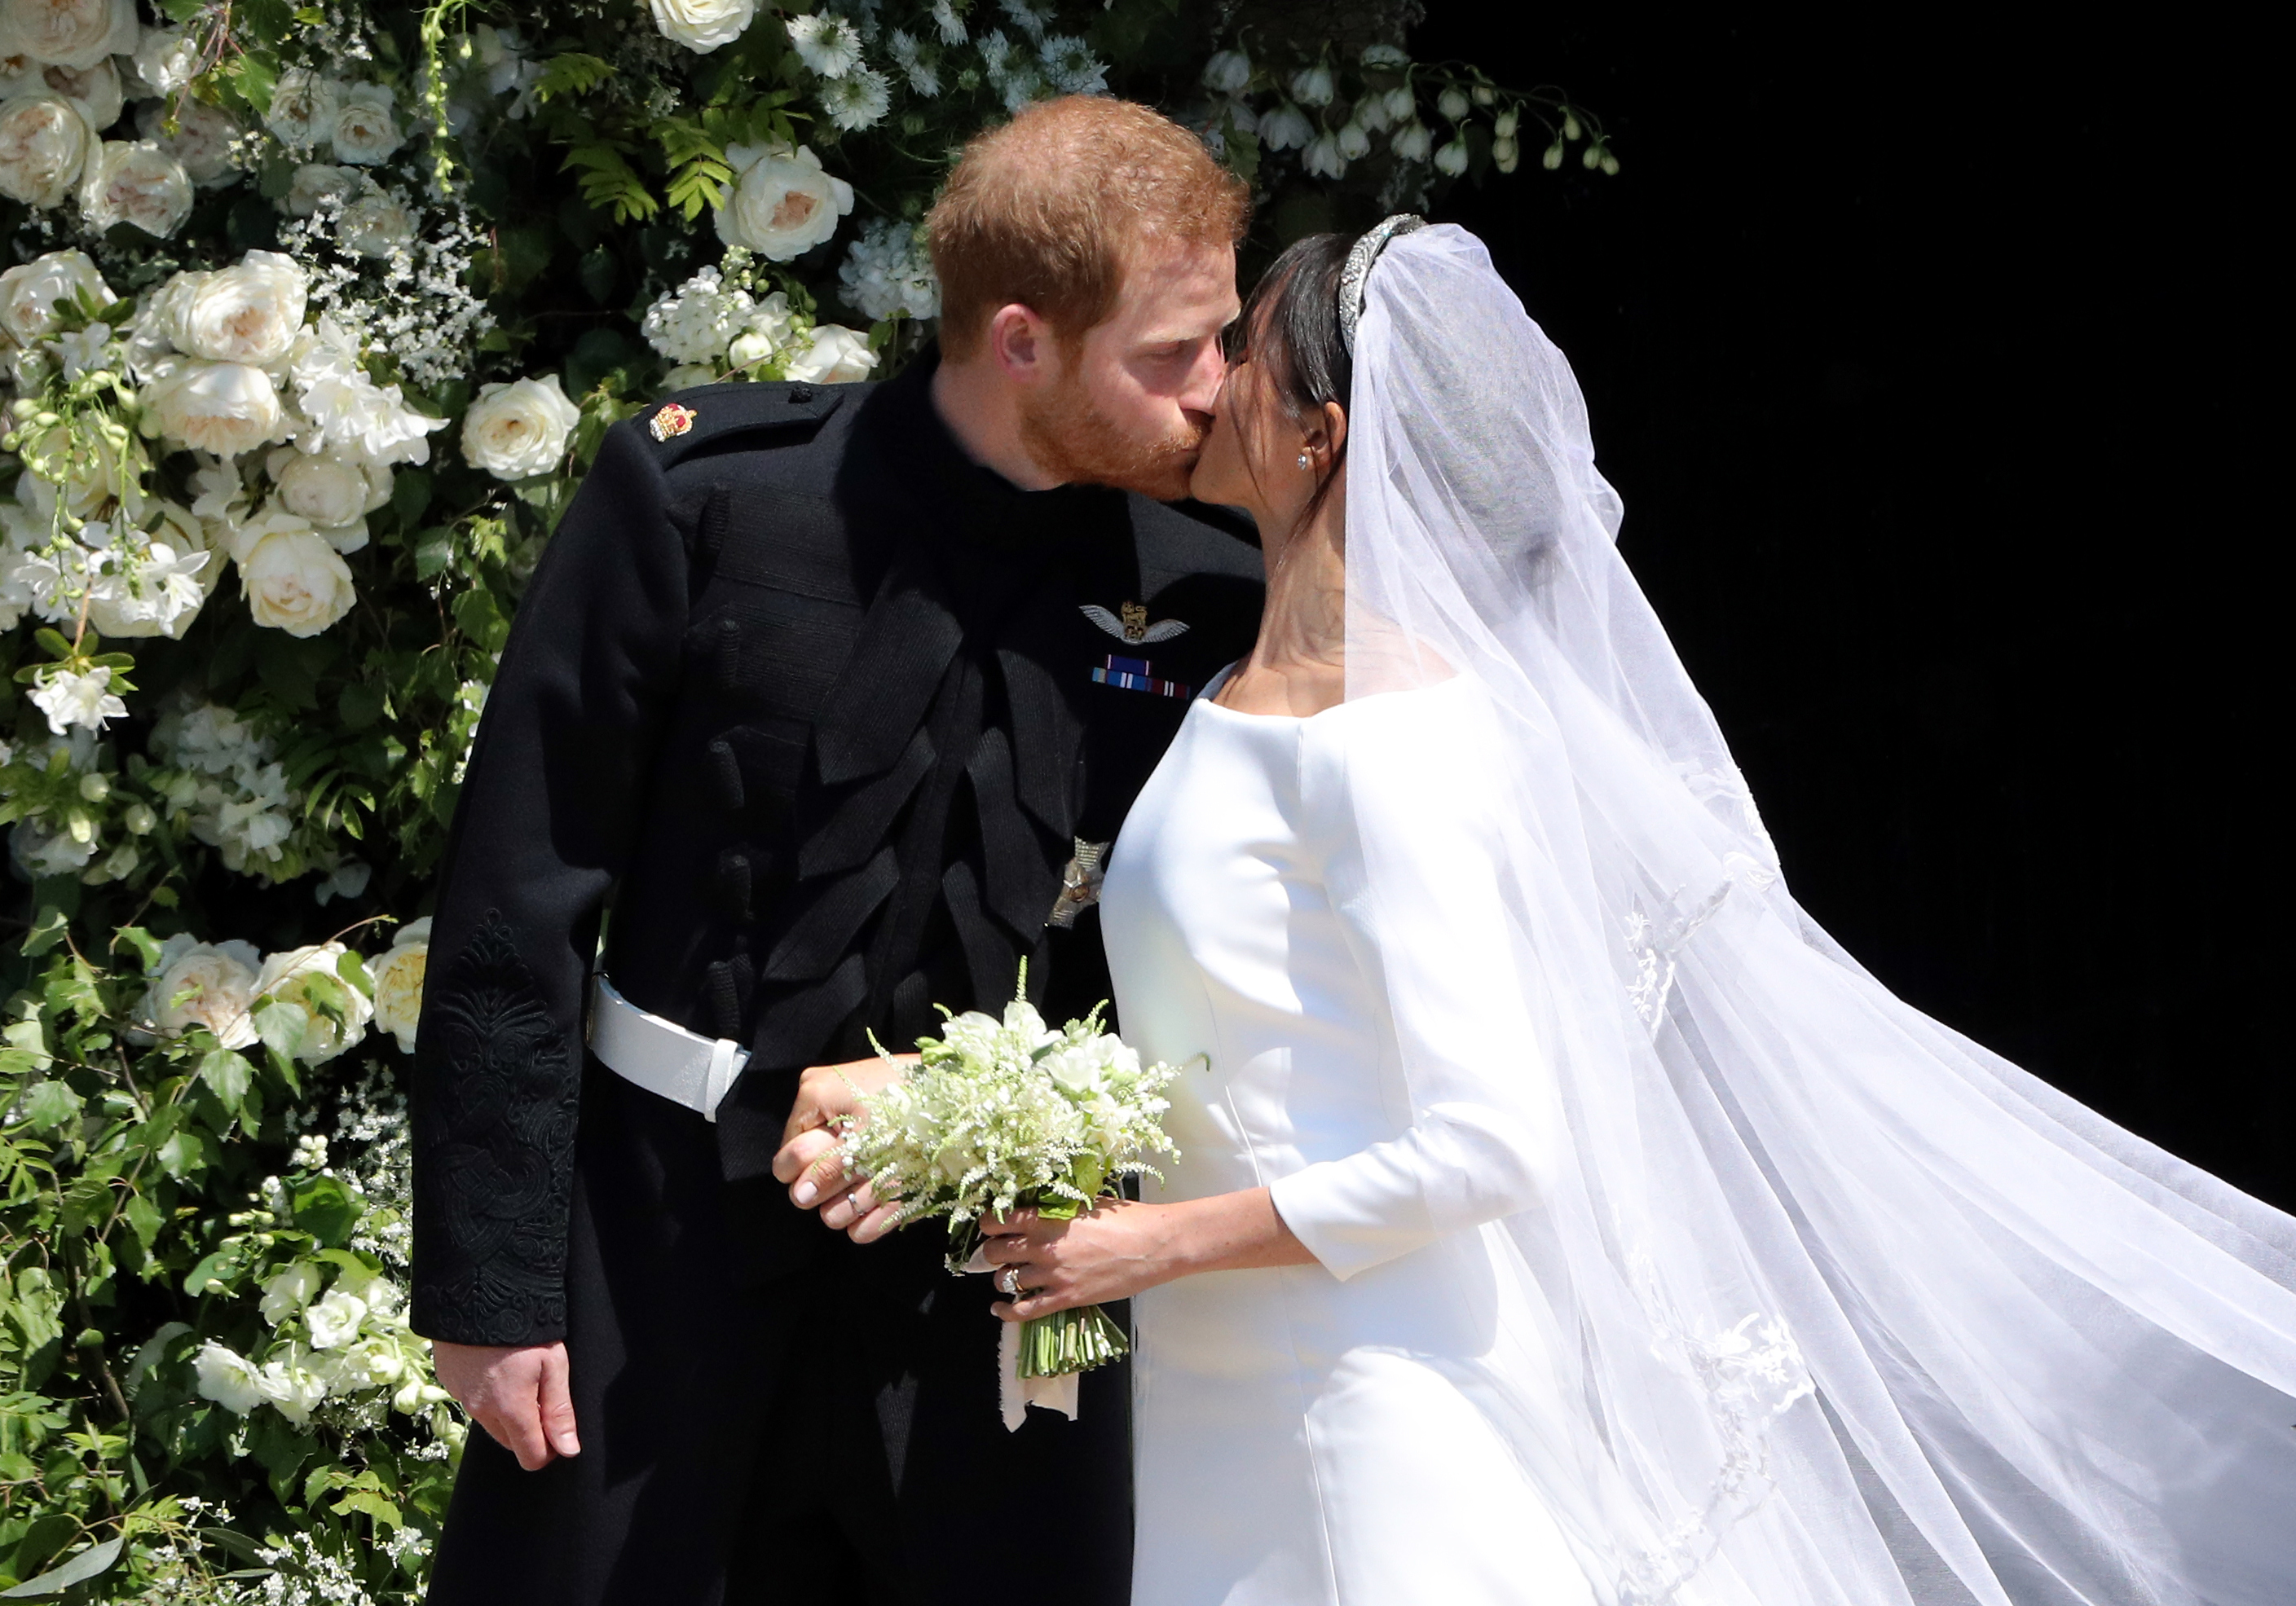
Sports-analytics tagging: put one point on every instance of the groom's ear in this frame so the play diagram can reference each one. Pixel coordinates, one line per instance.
(1022, 345)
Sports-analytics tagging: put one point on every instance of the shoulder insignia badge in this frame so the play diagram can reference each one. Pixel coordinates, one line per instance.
(1134, 626)
(673, 419)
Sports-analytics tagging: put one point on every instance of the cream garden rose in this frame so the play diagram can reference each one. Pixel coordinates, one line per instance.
(317, 183)
(783, 203)
(68, 33)
(95, 88)
(515, 431)
(702, 26)
(398, 976)
(286, 980)
(376, 224)
(226, 408)
(334, 493)
(28, 293)
(294, 579)
(365, 130)
(249, 312)
(303, 108)
(135, 183)
(46, 141)
(210, 985)
(166, 59)
(195, 134)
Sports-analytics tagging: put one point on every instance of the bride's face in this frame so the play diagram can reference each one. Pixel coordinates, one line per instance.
(1250, 457)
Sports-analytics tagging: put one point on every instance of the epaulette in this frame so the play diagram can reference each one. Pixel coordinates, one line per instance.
(711, 416)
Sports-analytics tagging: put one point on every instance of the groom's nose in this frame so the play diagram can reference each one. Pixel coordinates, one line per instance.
(1205, 376)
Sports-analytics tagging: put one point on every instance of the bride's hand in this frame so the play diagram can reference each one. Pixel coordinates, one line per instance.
(1123, 1247)
(1117, 1249)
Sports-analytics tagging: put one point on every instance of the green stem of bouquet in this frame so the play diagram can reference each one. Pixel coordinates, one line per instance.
(1070, 1340)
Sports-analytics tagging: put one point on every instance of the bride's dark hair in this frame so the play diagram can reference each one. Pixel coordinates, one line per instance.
(1291, 327)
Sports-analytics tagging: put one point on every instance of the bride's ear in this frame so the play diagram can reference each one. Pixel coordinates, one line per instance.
(1328, 434)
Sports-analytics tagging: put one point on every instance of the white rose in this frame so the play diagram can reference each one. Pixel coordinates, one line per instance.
(95, 88)
(219, 978)
(364, 130)
(69, 33)
(138, 184)
(46, 143)
(334, 494)
(248, 313)
(28, 293)
(376, 224)
(303, 107)
(782, 204)
(334, 1321)
(202, 139)
(166, 59)
(317, 183)
(287, 976)
(398, 983)
(295, 581)
(703, 25)
(835, 355)
(225, 1378)
(226, 408)
(285, 1294)
(515, 431)
(293, 1390)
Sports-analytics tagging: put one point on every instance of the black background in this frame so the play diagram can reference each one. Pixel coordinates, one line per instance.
(1939, 367)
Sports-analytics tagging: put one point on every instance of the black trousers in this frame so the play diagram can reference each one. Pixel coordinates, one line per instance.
(771, 1414)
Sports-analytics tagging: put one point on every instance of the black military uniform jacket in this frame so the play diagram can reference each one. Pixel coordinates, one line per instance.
(826, 710)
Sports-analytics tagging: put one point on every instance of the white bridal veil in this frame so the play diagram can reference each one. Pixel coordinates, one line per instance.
(1837, 1307)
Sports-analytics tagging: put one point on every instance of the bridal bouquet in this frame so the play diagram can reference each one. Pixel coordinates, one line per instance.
(1011, 1115)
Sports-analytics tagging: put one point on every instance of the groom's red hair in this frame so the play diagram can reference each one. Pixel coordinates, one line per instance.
(1046, 210)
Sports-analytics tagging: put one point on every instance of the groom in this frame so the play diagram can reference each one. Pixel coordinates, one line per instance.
(832, 697)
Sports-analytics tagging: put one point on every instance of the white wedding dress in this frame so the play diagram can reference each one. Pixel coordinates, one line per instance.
(1310, 1434)
(1663, 1257)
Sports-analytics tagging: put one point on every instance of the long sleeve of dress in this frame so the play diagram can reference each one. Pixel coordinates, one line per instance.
(549, 810)
(1409, 871)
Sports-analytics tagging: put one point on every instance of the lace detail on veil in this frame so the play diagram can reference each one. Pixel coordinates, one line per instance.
(1752, 1373)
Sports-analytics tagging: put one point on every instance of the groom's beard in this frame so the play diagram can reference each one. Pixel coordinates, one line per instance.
(1071, 439)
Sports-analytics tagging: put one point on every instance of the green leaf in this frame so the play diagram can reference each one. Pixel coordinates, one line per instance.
(325, 1209)
(229, 1075)
(282, 1027)
(571, 73)
(91, 1562)
(374, 1505)
(144, 1219)
(146, 946)
(185, 1153)
(49, 1105)
(46, 932)
(352, 969)
(410, 494)
(610, 183)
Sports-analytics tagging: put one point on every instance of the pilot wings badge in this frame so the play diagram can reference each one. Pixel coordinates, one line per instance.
(1134, 626)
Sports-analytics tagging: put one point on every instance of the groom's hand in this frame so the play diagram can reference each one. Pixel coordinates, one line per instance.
(517, 1394)
(828, 1098)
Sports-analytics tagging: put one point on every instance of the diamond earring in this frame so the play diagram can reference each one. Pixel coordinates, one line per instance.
(1303, 460)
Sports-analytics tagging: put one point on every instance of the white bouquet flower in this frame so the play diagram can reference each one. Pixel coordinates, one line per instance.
(1013, 1115)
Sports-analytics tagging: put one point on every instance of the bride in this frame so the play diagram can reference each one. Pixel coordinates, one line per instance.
(1561, 1216)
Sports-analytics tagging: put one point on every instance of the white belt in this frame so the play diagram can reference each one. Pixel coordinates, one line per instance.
(660, 1055)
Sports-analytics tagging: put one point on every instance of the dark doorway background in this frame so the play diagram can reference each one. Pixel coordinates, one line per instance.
(1923, 356)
